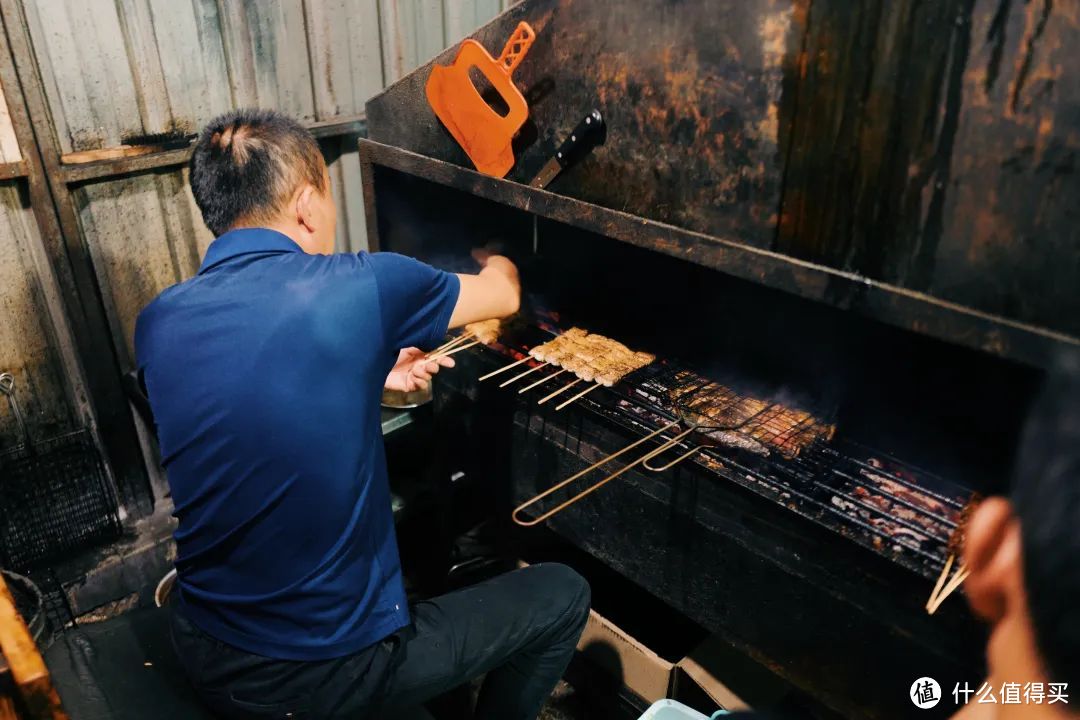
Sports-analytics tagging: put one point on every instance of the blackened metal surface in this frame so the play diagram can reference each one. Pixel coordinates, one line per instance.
(690, 91)
(929, 146)
(934, 147)
(917, 312)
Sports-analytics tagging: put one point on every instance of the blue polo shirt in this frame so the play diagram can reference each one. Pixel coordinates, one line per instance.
(265, 373)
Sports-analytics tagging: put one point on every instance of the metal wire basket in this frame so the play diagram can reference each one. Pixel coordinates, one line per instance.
(54, 494)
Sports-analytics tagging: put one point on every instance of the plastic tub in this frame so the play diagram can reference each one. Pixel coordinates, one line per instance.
(671, 710)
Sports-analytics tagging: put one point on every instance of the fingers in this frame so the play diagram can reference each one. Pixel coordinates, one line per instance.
(446, 362)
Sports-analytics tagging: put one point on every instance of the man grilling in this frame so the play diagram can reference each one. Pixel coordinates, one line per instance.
(264, 374)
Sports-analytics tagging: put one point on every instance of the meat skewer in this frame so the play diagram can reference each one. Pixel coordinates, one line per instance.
(486, 331)
(449, 344)
(541, 381)
(942, 590)
(580, 395)
(521, 375)
(503, 369)
(458, 349)
(560, 391)
(591, 357)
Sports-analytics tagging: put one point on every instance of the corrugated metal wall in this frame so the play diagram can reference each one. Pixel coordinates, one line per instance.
(32, 347)
(28, 341)
(116, 70)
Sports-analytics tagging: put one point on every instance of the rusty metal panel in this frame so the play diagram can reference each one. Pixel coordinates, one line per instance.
(934, 147)
(1009, 238)
(692, 91)
(144, 234)
(29, 347)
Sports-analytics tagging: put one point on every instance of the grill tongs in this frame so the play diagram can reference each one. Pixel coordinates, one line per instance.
(723, 416)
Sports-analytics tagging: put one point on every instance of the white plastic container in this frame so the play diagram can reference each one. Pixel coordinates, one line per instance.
(671, 710)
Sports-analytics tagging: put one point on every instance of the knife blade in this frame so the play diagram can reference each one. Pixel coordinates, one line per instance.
(581, 140)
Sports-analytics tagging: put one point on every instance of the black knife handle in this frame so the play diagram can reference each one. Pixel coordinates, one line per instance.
(581, 138)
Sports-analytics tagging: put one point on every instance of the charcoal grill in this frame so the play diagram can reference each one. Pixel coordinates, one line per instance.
(757, 217)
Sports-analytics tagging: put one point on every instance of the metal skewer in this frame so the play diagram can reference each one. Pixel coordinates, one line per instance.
(541, 381)
(521, 375)
(670, 444)
(561, 390)
(504, 368)
(581, 394)
(455, 350)
(586, 471)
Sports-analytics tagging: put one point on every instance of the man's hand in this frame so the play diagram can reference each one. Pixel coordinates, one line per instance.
(413, 370)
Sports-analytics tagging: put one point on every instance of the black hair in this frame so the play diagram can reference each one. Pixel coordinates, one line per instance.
(1046, 498)
(246, 165)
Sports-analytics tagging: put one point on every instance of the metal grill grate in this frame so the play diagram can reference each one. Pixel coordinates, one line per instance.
(899, 511)
(55, 498)
(878, 501)
(54, 495)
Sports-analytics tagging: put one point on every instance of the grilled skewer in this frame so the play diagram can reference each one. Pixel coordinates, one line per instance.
(560, 391)
(591, 357)
(503, 369)
(521, 375)
(580, 395)
(486, 331)
(450, 343)
(541, 381)
(942, 590)
(448, 353)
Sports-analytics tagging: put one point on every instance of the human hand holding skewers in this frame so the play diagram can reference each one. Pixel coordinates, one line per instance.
(414, 369)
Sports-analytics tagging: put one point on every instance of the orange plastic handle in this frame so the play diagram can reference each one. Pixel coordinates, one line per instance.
(516, 47)
(473, 54)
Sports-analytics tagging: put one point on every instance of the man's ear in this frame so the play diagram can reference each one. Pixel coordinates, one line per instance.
(992, 552)
(305, 214)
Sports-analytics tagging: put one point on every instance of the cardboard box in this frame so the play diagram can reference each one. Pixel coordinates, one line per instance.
(606, 646)
(713, 675)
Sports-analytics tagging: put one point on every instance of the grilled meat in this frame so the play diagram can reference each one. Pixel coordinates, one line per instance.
(730, 438)
(956, 540)
(711, 404)
(486, 331)
(591, 357)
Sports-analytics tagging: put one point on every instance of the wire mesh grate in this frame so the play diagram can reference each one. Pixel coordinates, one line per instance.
(54, 498)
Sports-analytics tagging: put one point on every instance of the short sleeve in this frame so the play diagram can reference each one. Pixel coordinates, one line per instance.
(415, 299)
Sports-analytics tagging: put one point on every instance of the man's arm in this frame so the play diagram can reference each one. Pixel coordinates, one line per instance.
(494, 293)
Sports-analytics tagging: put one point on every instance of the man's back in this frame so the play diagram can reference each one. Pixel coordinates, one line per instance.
(264, 374)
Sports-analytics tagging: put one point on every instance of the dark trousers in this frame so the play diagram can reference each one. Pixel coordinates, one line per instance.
(519, 628)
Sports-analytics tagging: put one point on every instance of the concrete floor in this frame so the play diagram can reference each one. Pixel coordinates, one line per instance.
(563, 705)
